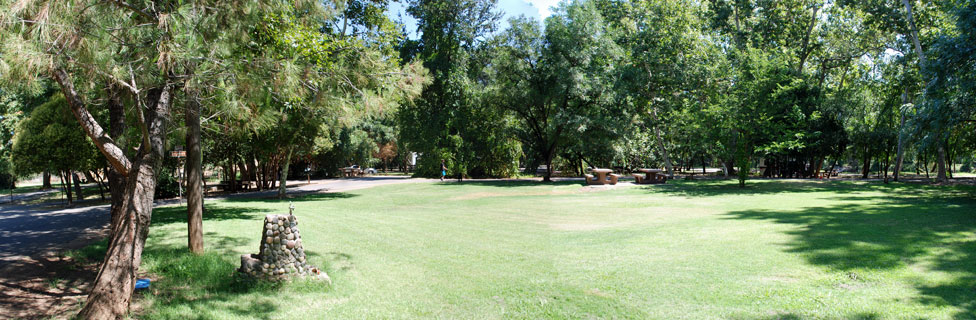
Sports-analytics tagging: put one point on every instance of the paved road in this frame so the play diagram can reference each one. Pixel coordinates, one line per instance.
(17, 197)
(27, 230)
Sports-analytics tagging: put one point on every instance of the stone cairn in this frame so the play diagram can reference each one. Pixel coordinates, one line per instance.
(282, 255)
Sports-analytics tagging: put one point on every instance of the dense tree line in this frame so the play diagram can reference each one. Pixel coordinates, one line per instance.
(259, 92)
(791, 88)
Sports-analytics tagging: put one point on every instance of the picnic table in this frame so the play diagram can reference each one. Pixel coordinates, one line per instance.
(602, 177)
(650, 176)
(349, 172)
(227, 185)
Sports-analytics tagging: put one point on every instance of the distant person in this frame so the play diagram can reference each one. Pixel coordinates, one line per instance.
(443, 170)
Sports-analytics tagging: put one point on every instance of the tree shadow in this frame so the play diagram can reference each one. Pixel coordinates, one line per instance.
(889, 232)
(311, 196)
(177, 214)
(203, 282)
(961, 292)
(793, 316)
(710, 188)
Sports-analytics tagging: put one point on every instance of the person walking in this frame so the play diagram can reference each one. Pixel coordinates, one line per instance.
(443, 170)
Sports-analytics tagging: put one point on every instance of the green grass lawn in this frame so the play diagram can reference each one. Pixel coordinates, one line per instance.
(688, 250)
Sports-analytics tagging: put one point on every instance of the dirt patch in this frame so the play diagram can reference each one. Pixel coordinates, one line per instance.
(45, 287)
(597, 292)
(50, 285)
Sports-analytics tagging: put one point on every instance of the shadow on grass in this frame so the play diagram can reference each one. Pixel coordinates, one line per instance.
(793, 316)
(207, 285)
(317, 196)
(204, 283)
(177, 214)
(883, 233)
(709, 188)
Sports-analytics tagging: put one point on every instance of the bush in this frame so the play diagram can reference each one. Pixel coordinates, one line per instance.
(167, 185)
(7, 180)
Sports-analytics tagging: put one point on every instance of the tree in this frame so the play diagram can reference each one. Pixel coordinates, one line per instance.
(950, 103)
(451, 120)
(560, 86)
(50, 140)
(664, 40)
(194, 177)
(143, 50)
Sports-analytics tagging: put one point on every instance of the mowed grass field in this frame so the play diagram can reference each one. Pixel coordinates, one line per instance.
(526, 250)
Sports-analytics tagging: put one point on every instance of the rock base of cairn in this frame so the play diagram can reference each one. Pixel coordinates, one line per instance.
(282, 255)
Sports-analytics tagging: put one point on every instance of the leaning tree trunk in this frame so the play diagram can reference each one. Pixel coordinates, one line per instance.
(112, 290)
(660, 144)
(194, 178)
(98, 183)
(111, 293)
(66, 185)
(941, 159)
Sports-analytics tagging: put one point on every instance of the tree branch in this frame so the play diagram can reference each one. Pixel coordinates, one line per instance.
(115, 156)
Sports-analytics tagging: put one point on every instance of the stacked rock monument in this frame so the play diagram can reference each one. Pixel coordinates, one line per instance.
(282, 255)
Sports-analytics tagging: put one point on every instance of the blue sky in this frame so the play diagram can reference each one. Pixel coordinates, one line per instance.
(536, 9)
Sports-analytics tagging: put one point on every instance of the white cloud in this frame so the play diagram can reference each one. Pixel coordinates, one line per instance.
(544, 6)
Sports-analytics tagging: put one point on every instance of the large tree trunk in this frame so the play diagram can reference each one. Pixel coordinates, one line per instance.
(550, 153)
(282, 187)
(729, 167)
(941, 163)
(866, 165)
(113, 286)
(548, 177)
(46, 180)
(194, 177)
(112, 291)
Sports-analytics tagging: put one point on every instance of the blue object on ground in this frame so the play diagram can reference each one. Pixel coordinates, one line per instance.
(142, 283)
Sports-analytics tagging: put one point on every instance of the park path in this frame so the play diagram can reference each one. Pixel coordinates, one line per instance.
(29, 230)
(14, 198)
